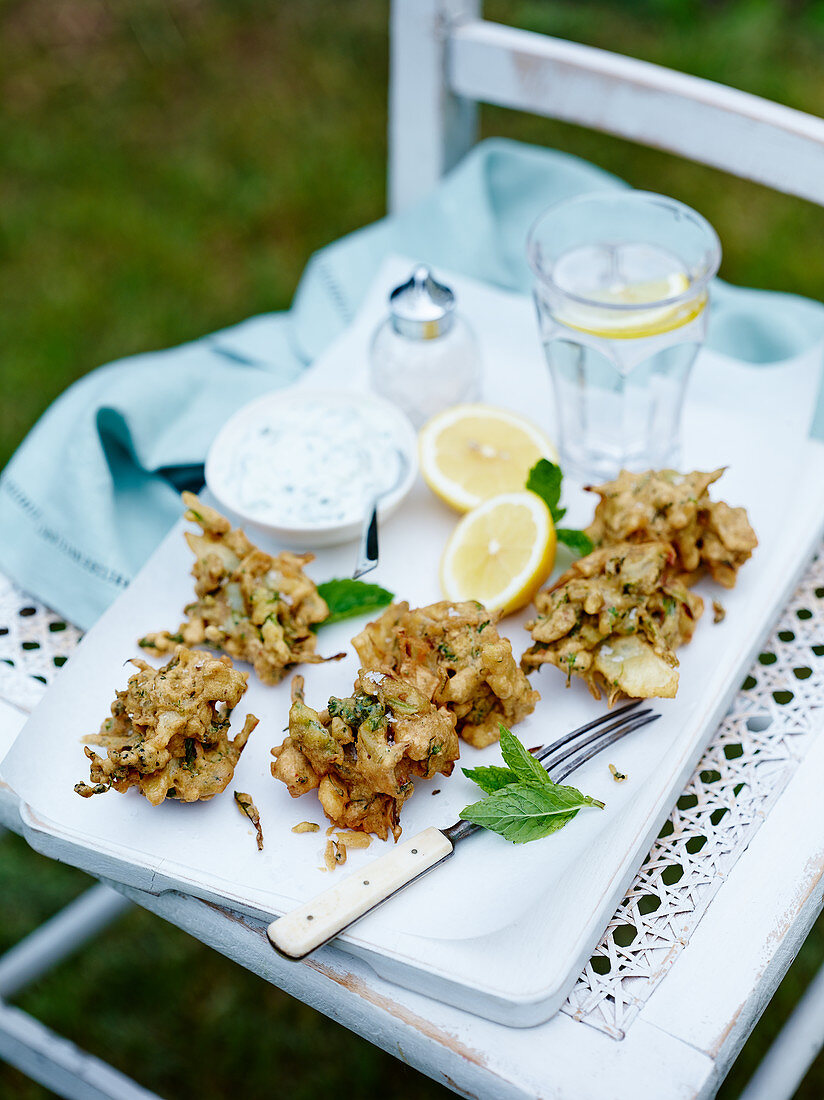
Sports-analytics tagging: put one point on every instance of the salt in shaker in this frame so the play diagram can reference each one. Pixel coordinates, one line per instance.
(424, 356)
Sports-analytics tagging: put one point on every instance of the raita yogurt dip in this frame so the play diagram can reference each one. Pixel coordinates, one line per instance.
(311, 461)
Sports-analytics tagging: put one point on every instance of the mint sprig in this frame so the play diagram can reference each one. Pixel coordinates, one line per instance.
(490, 778)
(346, 598)
(544, 480)
(522, 802)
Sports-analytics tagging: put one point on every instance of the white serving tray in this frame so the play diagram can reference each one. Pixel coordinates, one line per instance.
(502, 931)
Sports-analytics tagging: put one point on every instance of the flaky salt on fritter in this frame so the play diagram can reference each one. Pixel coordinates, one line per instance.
(708, 536)
(362, 753)
(615, 619)
(256, 607)
(169, 731)
(455, 656)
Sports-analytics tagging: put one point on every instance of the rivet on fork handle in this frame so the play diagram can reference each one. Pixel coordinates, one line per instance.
(311, 925)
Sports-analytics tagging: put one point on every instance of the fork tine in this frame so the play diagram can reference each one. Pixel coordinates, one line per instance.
(591, 747)
(564, 754)
(610, 716)
(594, 745)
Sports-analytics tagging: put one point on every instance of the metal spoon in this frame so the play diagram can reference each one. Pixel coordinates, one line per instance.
(368, 549)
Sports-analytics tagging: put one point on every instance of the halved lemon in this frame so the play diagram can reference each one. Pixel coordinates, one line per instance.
(631, 324)
(500, 553)
(472, 452)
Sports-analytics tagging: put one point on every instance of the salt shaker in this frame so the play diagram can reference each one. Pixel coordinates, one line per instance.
(424, 356)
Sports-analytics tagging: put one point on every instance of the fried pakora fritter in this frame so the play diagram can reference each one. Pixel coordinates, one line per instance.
(708, 536)
(256, 607)
(615, 619)
(454, 655)
(362, 753)
(169, 731)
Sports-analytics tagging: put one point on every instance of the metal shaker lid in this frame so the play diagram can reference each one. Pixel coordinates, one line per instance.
(422, 308)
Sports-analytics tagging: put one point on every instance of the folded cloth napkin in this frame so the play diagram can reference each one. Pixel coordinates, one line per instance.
(94, 486)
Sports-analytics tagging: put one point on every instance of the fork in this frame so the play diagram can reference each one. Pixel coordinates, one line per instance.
(318, 921)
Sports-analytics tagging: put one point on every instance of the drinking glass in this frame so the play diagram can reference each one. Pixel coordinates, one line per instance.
(621, 292)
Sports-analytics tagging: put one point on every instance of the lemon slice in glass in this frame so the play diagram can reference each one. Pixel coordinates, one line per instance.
(472, 452)
(500, 553)
(645, 320)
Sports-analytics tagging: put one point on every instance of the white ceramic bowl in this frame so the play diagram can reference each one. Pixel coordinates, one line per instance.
(238, 479)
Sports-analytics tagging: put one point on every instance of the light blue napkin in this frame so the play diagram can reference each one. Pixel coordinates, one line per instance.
(94, 486)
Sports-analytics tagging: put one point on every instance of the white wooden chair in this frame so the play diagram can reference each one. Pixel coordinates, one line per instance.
(445, 59)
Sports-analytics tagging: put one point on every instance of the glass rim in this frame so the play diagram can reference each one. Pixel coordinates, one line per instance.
(696, 287)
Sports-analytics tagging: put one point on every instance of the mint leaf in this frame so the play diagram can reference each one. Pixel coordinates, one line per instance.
(522, 802)
(526, 768)
(491, 777)
(522, 812)
(545, 479)
(346, 597)
(578, 541)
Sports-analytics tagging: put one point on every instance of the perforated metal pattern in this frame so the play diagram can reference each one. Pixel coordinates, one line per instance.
(748, 763)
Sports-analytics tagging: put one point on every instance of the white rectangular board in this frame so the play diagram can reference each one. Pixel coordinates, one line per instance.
(500, 930)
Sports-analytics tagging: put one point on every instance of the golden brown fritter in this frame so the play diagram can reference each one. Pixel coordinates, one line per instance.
(615, 619)
(665, 505)
(256, 607)
(362, 753)
(454, 655)
(169, 731)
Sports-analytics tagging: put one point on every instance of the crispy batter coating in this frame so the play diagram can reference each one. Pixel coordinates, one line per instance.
(454, 655)
(169, 731)
(255, 607)
(708, 536)
(615, 619)
(362, 753)
(248, 808)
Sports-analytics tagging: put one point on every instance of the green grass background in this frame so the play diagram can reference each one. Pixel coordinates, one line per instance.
(167, 167)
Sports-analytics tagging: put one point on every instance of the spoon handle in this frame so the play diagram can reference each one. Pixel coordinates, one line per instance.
(368, 549)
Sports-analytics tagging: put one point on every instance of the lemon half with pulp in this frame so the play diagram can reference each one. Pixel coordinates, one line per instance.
(472, 452)
(500, 553)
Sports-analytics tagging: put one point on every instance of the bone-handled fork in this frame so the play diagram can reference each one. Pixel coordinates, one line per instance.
(311, 925)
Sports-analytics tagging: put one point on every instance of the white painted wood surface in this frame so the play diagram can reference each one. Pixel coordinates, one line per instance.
(562, 1059)
(430, 127)
(477, 60)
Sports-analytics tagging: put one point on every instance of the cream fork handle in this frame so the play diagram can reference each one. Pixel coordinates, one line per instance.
(310, 925)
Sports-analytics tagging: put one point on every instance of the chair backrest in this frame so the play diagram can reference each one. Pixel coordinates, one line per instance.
(445, 59)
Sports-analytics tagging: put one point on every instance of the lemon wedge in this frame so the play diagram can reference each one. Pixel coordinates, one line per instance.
(640, 322)
(472, 452)
(500, 553)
